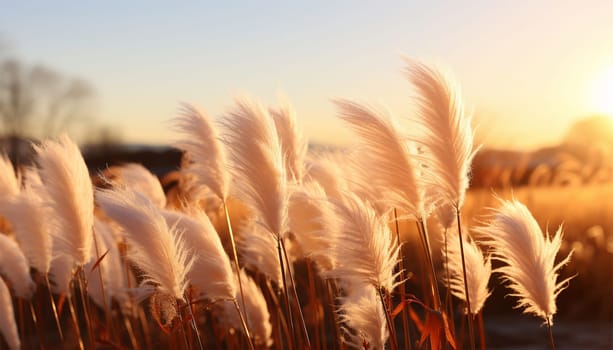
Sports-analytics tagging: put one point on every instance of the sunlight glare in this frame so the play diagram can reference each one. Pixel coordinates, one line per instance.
(602, 93)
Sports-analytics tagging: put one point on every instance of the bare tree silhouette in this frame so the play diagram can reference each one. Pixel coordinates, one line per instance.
(36, 101)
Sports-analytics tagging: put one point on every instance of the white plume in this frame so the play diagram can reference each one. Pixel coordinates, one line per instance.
(518, 242)
(312, 221)
(365, 248)
(255, 310)
(9, 181)
(207, 152)
(62, 268)
(8, 326)
(14, 266)
(257, 160)
(29, 218)
(362, 311)
(385, 153)
(137, 178)
(327, 170)
(293, 143)
(478, 272)
(445, 130)
(70, 195)
(159, 251)
(258, 251)
(211, 273)
(114, 280)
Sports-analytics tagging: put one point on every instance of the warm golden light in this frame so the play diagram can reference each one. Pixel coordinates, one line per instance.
(602, 93)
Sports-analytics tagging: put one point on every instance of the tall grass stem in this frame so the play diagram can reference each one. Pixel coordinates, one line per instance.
(245, 329)
(471, 328)
(401, 287)
(291, 277)
(36, 325)
(423, 228)
(287, 305)
(235, 253)
(107, 309)
(75, 322)
(186, 342)
(390, 322)
(193, 320)
(85, 303)
(54, 309)
(549, 330)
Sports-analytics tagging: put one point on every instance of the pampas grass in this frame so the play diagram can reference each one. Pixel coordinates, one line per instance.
(366, 250)
(293, 213)
(314, 225)
(113, 281)
(29, 219)
(444, 129)
(211, 273)
(9, 181)
(70, 195)
(365, 247)
(399, 171)
(206, 151)
(328, 171)
(257, 159)
(61, 269)
(478, 271)
(158, 250)
(8, 326)
(385, 150)
(447, 136)
(208, 167)
(529, 258)
(258, 251)
(14, 266)
(256, 313)
(293, 143)
(137, 178)
(362, 312)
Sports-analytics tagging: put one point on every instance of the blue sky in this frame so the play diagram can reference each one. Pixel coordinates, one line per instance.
(526, 69)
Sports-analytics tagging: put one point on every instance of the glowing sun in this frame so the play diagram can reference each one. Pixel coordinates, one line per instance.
(602, 93)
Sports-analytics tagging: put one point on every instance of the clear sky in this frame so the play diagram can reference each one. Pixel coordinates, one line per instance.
(527, 69)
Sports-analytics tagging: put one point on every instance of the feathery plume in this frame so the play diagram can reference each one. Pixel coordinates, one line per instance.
(255, 309)
(201, 141)
(114, 279)
(257, 159)
(518, 241)
(362, 311)
(326, 170)
(386, 151)
(8, 326)
(29, 219)
(258, 251)
(14, 266)
(9, 181)
(312, 221)
(445, 215)
(70, 194)
(211, 273)
(365, 248)
(137, 178)
(445, 130)
(293, 143)
(159, 251)
(478, 271)
(61, 269)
